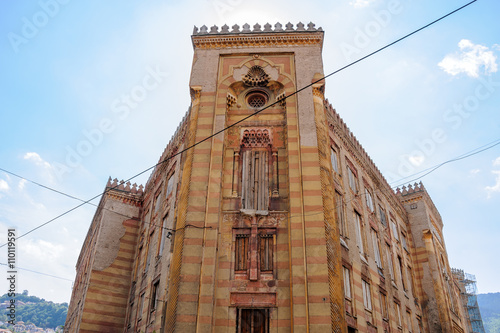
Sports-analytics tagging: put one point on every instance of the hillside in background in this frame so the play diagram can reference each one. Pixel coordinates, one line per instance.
(36, 311)
(489, 305)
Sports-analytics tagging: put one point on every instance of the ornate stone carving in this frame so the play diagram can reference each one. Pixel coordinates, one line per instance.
(255, 138)
(273, 220)
(256, 76)
(230, 100)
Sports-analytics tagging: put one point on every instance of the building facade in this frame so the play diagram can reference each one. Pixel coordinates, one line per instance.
(278, 222)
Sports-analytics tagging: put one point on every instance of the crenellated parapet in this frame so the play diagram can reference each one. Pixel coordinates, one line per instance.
(405, 190)
(257, 36)
(121, 185)
(257, 28)
(176, 142)
(412, 193)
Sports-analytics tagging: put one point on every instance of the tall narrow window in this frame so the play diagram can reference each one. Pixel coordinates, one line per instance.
(154, 295)
(255, 190)
(367, 297)
(403, 242)
(359, 232)
(347, 282)
(241, 252)
(408, 321)
(255, 168)
(252, 321)
(131, 316)
(141, 306)
(353, 181)
(266, 246)
(369, 200)
(339, 203)
(399, 320)
(146, 254)
(163, 234)
(376, 249)
(389, 262)
(401, 272)
(170, 185)
(412, 284)
(394, 230)
(158, 202)
(334, 160)
(383, 306)
(383, 217)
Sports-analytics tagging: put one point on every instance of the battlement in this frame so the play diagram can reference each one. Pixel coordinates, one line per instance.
(257, 28)
(259, 36)
(124, 186)
(406, 190)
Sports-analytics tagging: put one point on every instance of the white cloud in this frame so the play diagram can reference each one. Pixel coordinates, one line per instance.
(474, 172)
(496, 187)
(361, 3)
(416, 160)
(35, 158)
(21, 184)
(469, 60)
(4, 186)
(43, 250)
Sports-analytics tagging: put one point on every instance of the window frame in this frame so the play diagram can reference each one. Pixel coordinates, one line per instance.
(390, 262)
(369, 201)
(359, 232)
(394, 229)
(270, 237)
(340, 208)
(170, 185)
(376, 249)
(334, 159)
(153, 305)
(347, 283)
(367, 301)
(398, 314)
(384, 309)
(239, 319)
(383, 216)
(238, 248)
(353, 180)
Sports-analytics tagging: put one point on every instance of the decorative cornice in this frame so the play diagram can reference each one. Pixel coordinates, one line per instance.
(204, 39)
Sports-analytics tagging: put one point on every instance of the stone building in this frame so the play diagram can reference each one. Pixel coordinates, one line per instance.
(278, 222)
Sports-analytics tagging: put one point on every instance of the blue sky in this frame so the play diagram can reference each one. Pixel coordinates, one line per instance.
(66, 121)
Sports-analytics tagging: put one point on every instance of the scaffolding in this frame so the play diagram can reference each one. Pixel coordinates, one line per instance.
(468, 291)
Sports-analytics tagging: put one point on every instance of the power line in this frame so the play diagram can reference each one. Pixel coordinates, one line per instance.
(435, 167)
(105, 208)
(30, 270)
(460, 157)
(249, 116)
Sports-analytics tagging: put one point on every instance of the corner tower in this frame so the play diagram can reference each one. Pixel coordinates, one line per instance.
(262, 250)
